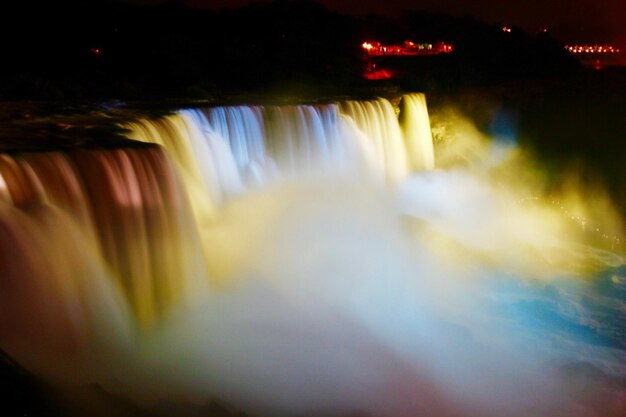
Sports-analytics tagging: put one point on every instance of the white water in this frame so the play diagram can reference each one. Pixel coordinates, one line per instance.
(292, 261)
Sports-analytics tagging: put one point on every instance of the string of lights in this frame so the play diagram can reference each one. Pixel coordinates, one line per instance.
(592, 49)
(407, 48)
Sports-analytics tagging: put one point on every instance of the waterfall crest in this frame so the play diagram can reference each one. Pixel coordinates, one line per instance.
(226, 150)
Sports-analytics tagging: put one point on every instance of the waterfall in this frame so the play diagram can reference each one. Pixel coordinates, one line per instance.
(131, 205)
(224, 150)
(129, 211)
(303, 260)
(419, 141)
(380, 135)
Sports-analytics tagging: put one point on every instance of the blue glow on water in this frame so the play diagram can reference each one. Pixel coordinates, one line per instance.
(581, 322)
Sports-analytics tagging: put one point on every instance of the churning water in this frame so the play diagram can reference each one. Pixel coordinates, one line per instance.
(312, 260)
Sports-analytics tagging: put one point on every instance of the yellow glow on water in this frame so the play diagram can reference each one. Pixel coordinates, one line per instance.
(419, 140)
(553, 221)
(186, 154)
(381, 136)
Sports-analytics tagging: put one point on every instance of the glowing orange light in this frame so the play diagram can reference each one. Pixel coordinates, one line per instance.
(506, 29)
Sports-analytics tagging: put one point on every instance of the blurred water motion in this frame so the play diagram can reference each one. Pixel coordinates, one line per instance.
(311, 260)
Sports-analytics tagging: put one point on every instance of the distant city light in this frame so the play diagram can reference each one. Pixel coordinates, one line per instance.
(592, 49)
(407, 48)
(506, 29)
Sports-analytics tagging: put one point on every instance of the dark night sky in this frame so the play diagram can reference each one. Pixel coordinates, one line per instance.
(571, 21)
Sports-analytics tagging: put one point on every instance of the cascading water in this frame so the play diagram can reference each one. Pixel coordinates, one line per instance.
(419, 141)
(305, 260)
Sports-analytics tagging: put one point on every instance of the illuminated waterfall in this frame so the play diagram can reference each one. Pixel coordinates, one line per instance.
(124, 213)
(225, 149)
(419, 141)
(131, 211)
(380, 136)
(302, 260)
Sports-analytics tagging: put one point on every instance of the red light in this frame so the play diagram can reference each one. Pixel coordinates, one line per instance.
(95, 51)
(381, 74)
(407, 48)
